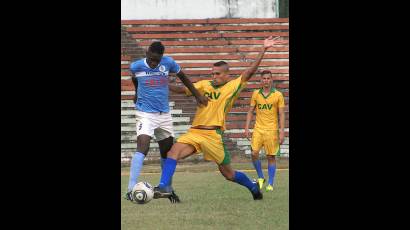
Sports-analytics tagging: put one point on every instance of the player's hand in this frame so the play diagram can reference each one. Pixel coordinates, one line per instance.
(281, 137)
(202, 101)
(172, 78)
(247, 134)
(270, 42)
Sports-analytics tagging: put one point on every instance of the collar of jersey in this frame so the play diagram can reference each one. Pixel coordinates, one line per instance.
(146, 64)
(216, 87)
(272, 90)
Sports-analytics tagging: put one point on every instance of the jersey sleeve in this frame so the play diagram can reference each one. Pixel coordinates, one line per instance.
(237, 85)
(133, 68)
(174, 67)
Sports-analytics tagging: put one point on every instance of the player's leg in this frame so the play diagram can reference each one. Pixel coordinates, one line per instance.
(143, 142)
(214, 149)
(164, 189)
(271, 172)
(258, 167)
(164, 147)
(145, 131)
(256, 145)
(272, 148)
(240, 178)
(178, 151)
(185, 146)
(165, 136)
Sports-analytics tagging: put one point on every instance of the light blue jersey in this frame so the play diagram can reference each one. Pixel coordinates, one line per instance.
(153, 84)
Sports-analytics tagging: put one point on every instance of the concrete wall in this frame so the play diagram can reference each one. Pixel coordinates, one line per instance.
(197, 9)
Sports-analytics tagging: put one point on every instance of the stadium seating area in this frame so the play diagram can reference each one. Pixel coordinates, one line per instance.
(196, 45)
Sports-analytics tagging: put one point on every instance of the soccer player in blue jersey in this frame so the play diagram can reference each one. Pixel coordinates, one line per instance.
(150, 78)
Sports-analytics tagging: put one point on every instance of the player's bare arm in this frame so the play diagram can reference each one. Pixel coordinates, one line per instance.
(176, 88)
(282, 125)
(135, 82)
(269, 42)
(249, 116)
(201, 100)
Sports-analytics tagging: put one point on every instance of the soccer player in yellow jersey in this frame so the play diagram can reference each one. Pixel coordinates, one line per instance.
(205, 134)
(268, 103)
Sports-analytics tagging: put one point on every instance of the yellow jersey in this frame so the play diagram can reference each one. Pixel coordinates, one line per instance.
(221, 101)
(267, 108)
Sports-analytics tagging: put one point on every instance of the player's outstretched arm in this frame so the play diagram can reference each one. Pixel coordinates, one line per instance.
(201, 100)
(269, 42)
(176, 88)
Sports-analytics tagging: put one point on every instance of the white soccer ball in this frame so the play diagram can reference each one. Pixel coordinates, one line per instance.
(142, 193)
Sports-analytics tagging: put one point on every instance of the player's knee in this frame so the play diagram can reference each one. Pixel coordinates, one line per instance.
(271, 158)
(165, 146)
(163, 154)
(143, 149)
(228, 174)
(255, 154)
(230, 177)
(172, 154)
(143, 143)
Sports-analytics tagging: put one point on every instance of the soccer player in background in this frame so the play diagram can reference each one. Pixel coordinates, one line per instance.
(150, 78)
(205, 134)
(268, 103)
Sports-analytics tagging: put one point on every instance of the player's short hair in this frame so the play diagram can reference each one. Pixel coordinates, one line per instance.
(157, 47)
(220, 63)
(266, 72)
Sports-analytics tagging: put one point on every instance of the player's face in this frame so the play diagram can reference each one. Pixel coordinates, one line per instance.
(220, 75)
(153, 59)
(266, 80)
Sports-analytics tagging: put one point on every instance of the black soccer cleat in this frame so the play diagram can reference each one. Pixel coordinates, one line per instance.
(166, 192)
(174, 198)
(128, 196)
(257, 195)
(162, 192)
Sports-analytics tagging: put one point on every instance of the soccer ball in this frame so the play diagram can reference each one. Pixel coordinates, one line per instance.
(142, 193)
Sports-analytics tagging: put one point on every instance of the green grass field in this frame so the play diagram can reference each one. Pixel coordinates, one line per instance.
(208, 202)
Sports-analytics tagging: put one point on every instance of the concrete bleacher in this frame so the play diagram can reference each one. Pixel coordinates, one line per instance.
(196, 44)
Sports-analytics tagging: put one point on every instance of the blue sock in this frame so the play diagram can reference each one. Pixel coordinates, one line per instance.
(258, 167)
(136, 165)
(242, 179)
(162, 167)
(167, 172)
(271, 172)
